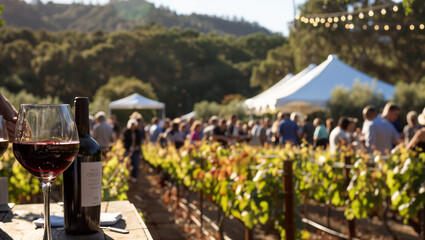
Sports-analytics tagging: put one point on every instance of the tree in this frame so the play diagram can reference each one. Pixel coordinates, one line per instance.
(350, 103)
(279, 62)
(1, 21)
(119, 87)
(204, 110)
(410, 97)
(23, 97)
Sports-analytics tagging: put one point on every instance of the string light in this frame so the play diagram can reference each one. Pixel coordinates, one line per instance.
(395, 8)
(332, 19)
(371, 11)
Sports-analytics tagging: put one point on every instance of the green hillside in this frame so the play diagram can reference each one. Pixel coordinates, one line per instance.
(117, 15)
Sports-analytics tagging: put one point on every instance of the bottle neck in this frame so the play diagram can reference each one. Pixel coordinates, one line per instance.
(82, 118)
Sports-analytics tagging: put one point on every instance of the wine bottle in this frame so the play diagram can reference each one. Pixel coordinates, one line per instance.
(82, 181)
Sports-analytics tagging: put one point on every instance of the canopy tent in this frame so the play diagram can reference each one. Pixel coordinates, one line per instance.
(256, 101)
(136, 101)
(264, 101)
(188, 116)
(316, 86)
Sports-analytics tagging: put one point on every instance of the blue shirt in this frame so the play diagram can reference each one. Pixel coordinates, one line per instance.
(288, 131)
(154, 131)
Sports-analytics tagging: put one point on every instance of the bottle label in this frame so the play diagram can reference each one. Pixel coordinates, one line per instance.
(91, 184)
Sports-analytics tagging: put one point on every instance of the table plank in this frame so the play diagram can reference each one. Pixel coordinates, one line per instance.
(19, 224)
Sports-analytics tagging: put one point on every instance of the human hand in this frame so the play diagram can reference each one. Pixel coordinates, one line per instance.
(9, 114)
(11, 128)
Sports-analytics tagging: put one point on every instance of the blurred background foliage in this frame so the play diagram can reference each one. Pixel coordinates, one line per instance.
(203, 70)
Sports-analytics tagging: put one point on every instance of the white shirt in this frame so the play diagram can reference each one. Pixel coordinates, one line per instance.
(380, 135)
(336, 137)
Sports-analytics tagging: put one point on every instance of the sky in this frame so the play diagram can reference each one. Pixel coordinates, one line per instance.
(271, 14)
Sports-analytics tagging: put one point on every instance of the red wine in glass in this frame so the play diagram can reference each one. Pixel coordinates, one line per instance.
(45, 144)
(3, 146)
(46, 160)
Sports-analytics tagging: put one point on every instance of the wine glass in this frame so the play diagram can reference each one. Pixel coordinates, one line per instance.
(4, 137)
(45, 144)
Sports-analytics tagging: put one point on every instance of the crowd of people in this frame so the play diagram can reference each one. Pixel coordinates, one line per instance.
(379, 132)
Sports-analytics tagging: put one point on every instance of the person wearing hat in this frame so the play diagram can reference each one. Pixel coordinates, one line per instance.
(132, 147)
(103, 132)
(421, 118)
(418, 140)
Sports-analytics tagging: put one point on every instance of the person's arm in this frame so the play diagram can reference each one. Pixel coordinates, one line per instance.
(113, 137)
(219, 137)
(138, 140)
(370, 137)
(215, 136)
(316, 134)
(298, 132)
(10, 115)
(419, 135)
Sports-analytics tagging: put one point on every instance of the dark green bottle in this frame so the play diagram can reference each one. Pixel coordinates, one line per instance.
(82, 181)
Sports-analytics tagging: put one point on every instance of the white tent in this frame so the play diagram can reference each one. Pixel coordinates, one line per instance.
(188, 116)
(316, 86)
(265, 101)
(136, 101)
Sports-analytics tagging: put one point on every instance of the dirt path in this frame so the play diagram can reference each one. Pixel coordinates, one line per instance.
(147, 198)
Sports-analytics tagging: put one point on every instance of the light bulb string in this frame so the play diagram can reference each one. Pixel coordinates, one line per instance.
(368, 10)
(377, 27)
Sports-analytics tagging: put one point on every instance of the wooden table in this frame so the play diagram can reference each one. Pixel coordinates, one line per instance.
(17, 224)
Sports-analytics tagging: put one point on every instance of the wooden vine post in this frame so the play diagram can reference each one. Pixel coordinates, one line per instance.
(288, 200)
(351, 223)
(201, 209)
(248, 234)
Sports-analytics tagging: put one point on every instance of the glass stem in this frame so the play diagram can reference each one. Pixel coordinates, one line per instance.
(46, 196)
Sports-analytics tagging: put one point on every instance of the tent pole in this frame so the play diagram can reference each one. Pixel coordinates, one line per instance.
(163, 113)
(251, 114)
